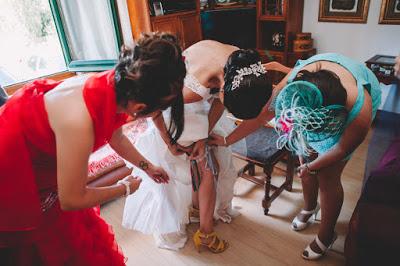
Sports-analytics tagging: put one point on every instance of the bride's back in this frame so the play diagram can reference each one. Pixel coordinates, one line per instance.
(207, 58)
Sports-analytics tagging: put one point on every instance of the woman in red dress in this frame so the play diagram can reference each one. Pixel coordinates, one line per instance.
(48, 129)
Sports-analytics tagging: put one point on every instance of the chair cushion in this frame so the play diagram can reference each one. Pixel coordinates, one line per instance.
(261, 145)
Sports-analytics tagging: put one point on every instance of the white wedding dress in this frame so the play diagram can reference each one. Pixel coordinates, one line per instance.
(162, 209)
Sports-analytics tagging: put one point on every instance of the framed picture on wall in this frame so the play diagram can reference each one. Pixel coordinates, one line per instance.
(390, 12)
(346, 11)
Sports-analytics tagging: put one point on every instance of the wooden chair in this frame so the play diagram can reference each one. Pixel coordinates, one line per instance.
(262, 152)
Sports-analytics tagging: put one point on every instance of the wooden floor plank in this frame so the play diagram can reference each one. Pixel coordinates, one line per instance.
(255, 239)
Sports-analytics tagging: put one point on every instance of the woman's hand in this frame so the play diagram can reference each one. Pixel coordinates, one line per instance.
(177, 149)
(134, 183)
(157, 174)
(216, 140)
(304, 169)
(301, 171)
(199, 150)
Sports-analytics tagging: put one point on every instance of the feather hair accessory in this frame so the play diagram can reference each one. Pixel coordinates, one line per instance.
(301, 118)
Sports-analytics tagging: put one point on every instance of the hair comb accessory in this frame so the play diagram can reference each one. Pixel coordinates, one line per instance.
(254, 69)
(301, 117)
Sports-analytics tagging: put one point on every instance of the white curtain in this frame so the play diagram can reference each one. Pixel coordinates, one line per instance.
(89, 28)
(125, 23)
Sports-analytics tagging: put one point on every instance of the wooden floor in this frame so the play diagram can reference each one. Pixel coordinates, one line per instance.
(255, 239)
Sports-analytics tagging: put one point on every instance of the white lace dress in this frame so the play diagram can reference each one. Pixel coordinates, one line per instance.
(162, 209)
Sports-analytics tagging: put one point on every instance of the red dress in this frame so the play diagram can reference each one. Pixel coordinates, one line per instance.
(33, 228)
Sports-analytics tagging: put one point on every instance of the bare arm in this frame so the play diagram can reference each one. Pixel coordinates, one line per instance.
(275, 66)
(175, 149)
(249, 126)
(74, 143)
(159, 122)
(124, 147)
(352, 137)
(280, 85)
(215, 113)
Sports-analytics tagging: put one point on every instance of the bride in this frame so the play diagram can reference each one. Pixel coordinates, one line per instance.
(164, 209)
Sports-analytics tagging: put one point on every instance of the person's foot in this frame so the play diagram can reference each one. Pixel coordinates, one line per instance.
(318, 247)
(300, 222)
(226, 215)
(211, 241)
(194, 215)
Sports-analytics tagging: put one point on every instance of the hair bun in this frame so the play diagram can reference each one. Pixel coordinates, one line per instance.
(239, 59)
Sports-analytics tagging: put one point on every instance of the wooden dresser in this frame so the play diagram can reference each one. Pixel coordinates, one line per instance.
(184, 24)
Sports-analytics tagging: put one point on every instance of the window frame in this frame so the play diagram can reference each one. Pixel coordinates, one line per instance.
(11, 89)
(77, 65)
(85, 65)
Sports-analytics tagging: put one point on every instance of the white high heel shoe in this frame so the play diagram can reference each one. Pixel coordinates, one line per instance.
(310, 254)
(298, 225)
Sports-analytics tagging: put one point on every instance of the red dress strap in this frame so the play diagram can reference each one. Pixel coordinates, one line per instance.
(100, 98)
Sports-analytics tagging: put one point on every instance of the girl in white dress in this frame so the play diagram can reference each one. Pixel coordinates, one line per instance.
(163, 209)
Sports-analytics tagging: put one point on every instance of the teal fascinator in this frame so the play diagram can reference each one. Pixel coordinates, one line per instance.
(302, 119)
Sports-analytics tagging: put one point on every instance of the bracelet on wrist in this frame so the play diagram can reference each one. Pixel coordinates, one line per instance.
(126, 183)
(311, 172)
(143, 165)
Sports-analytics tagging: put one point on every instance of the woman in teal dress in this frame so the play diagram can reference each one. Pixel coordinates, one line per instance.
(323, 110)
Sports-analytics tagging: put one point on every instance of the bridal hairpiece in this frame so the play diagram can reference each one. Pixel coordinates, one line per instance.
(256, 69)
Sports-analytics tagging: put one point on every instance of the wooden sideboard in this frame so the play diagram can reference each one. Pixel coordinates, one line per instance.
(186, 24)
(383, 68)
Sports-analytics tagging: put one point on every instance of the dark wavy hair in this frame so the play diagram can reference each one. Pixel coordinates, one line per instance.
(247, 100)
(328, 83)
(151, 73)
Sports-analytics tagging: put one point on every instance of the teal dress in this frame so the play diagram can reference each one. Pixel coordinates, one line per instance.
(364, 77)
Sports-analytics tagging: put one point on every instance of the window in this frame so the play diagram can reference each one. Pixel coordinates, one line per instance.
(89, 33)
(29, 46)
(42, 37)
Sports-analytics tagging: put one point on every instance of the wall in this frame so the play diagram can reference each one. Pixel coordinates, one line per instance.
(359, 41)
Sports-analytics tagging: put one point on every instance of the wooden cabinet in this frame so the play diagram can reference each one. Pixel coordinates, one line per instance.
(186, 24)
(190, 27)
(278, 21)
(166, 24)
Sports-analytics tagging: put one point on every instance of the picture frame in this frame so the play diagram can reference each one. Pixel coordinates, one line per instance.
(343, 11)
(390, 12)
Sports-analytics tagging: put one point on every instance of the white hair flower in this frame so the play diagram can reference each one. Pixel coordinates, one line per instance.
(255, 69)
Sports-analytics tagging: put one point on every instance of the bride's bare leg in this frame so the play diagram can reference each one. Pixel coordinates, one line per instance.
(207, 196)
(195, 199)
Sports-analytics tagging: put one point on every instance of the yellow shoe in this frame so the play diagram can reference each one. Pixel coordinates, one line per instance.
(215, 245)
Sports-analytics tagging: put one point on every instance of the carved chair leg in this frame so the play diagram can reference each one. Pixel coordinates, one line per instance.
(252, 169)
(289, 172)
(266, 203)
